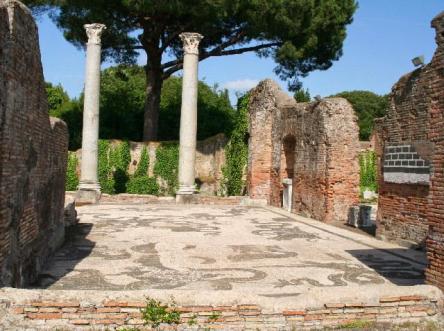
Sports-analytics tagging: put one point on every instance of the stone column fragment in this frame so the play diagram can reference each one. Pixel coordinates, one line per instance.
(188, 117)
(89, 187)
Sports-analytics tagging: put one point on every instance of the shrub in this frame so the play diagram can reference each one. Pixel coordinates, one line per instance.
(236, 152)
(144, 163)
(140, 182)
(368, 171)
(113, 164)
(156, 313)
(142, 185)
(167, 166)
(72, 181)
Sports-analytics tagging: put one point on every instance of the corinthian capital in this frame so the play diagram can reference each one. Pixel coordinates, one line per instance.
(191, 42)
(94, 32)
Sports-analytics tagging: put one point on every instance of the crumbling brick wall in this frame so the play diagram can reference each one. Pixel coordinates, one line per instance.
(402, 200)
(407, 145)
(435, 210)
(33, 153)
(410, 151)
(324, 164)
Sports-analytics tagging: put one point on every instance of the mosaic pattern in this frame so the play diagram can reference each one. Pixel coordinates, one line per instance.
(217, 248)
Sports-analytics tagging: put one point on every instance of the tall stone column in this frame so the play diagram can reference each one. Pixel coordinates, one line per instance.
(89, 187)
(188, 116)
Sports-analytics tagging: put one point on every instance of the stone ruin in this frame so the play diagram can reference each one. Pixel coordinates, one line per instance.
(410, 149)
(33, 154)
(312, 146)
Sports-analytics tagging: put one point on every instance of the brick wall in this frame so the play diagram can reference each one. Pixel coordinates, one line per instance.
(83, 314)
(435, 211)
(32, 156)
(264, 150)
(323, 163)
(411, 202)
(408, 147)
(402, 198)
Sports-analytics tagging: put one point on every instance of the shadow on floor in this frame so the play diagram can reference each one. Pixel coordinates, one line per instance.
(371, 231)
(75, 249)
(403, 267)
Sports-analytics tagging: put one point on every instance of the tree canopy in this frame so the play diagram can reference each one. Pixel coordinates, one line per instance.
(300, 35)
(302, 95)
(122, 102)
(368, 106)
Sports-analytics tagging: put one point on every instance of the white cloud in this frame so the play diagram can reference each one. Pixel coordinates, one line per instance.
(240, 84)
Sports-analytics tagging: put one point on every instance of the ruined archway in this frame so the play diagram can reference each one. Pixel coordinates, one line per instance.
(287, 171)
(315, 144)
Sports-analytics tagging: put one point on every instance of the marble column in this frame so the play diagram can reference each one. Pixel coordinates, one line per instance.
(188, 116)
(89, 187)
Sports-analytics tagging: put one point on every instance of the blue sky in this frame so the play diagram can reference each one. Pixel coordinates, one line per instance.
(382, 40)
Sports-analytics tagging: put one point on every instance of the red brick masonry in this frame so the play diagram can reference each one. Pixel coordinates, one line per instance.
(315, 144)
(33, 153)
(115, 313)
(411, 211)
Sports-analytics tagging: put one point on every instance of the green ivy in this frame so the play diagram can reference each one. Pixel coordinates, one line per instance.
(106, 178)
(113, 165)
(142, 185)
(120, 158)
(72, 181)
(368, 171)
(236, 152)
(144, 163)
(140, 182)
(167, 165)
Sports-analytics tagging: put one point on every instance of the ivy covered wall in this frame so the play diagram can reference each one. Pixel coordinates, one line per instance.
(150, 168)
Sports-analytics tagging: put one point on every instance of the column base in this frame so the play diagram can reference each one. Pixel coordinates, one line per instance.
(88, 193)
(185, 194)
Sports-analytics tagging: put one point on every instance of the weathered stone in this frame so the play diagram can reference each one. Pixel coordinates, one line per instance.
(70, 212)
(33, 153)
(315, 144)
(188, 115)
(89, 187)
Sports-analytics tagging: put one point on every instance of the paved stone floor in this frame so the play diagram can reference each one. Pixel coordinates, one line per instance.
(263, 251)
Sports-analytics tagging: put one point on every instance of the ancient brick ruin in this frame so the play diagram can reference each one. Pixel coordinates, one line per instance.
(411, 161)
(315, 145)
(33, 153)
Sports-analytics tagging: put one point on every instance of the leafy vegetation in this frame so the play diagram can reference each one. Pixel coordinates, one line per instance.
(299, 35)
(144, 163)
(142, 185)
(357, 325)
(167, 166)
(122, 99)
(156, 313)
(57, 96)
(215, 315)
(236, 152)
(368, 106)
(70, 111)
(302, 95)
(72, 181)
(112, 167)
(140, 182)
(368, 171)
(215, 113)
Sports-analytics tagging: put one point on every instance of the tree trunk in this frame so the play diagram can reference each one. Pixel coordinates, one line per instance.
(154, 82)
